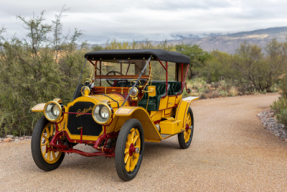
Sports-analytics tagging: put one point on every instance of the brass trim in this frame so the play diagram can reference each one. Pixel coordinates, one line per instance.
(58, 100)
(83, 91)
(59, 108)
(110, 113)
(136, 90)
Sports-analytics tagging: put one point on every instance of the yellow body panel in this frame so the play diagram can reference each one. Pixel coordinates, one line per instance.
(151, 133)
(39, 107)
(156, 115)
(163, 103)
(171, 101)
(182, 109)
(170, 127)
(178, 99)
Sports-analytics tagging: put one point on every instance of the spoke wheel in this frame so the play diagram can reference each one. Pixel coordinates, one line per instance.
(48, 132)
(129, 149)
(185, 137)
(43, 133)
(132, 149)
(187, 131)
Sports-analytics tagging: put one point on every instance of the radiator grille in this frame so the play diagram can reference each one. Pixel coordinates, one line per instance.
(90, 127)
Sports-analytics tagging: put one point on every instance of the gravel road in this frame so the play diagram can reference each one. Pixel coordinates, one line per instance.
(230, 152)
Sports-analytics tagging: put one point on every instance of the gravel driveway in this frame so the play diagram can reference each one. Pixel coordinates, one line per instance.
(230, 152)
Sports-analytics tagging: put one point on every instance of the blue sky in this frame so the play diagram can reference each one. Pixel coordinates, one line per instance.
(129, 20)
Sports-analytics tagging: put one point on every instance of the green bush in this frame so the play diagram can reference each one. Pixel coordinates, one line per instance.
(280, 106)
(280, 110)
(36, 70)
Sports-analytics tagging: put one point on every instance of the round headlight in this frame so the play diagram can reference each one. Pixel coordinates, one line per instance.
(52, 111)
(134, 92)
(102, 113)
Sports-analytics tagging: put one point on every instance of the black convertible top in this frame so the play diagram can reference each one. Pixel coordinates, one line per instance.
(125, 54)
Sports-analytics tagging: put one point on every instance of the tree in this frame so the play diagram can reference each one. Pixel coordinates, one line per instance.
(253, 70)
(198, 58)
(30, 73)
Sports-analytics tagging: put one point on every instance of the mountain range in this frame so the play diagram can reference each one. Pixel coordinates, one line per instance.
(230, 42)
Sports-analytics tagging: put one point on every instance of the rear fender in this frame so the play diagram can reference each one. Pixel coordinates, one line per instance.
(124, 113)
(182, 110)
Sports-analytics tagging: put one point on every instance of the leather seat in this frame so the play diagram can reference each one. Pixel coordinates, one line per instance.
(153, 103)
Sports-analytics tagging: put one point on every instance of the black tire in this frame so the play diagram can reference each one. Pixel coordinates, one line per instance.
(182, 143)
(120, 148)
(78, 92)
(36, 150)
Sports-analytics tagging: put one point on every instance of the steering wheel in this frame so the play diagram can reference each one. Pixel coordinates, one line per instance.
(114, 82)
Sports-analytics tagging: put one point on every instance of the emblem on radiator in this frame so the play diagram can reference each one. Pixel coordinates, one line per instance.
(85, 110)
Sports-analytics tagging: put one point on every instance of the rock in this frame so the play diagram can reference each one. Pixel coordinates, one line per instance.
(21, 138)
(7, 140)
(16, 140)
(10, 136)
(270, 123)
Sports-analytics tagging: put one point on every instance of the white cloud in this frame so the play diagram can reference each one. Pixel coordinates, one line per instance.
(130, 20)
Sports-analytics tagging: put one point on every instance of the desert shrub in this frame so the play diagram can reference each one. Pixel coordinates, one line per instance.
(215, 84)
(274, 88)
(203, 96)
(280, 106)
(283, 86)
(223, 93)
(280, 110)
(233, 91)
(36, 70)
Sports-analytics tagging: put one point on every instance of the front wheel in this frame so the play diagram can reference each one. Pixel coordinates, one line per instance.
(42, 135)
(129, 149)
(185, 137)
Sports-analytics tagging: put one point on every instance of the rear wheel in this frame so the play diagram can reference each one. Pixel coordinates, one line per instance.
(185, 137)
(42, 134)
(129, 149)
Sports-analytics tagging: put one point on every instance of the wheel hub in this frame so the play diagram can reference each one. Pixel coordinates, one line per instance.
(186, 127)
(133, 149)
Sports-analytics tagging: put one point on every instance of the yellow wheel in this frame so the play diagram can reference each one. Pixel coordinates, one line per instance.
(48, 132)
(132, 149)
(43, 133)
(185, 137)
(129, 149)
(187, 131)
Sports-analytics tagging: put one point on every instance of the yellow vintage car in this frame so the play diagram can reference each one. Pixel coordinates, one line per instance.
(116, 112)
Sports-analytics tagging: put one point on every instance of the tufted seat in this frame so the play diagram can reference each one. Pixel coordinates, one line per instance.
(153, 103)
(175, 88)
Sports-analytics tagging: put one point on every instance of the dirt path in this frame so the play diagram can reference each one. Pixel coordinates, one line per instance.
(230, 152)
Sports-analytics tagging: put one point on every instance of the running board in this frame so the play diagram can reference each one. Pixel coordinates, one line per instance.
(165, 136)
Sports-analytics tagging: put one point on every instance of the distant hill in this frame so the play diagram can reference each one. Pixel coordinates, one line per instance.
(230, 42)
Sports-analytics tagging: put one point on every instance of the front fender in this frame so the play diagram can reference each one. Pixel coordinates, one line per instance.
(39, 107)
(128, 112)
